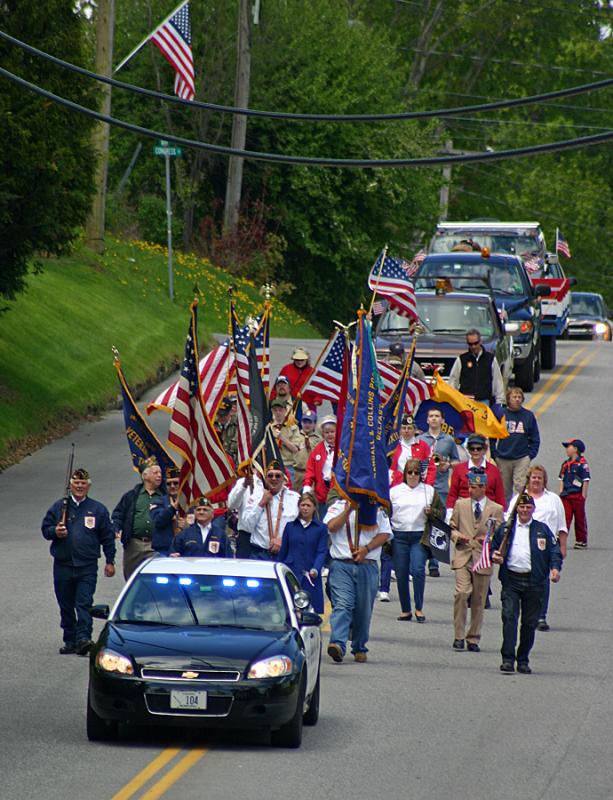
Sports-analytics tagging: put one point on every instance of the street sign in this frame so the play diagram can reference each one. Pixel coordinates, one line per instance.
(164, 148)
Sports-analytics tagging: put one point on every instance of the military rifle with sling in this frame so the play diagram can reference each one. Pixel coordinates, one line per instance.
(504, 544)
(66, 497)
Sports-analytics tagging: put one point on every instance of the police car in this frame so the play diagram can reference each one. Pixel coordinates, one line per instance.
(208, 643)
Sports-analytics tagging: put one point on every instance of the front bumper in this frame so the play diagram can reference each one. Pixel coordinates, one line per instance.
(243, 704)
(521, 351)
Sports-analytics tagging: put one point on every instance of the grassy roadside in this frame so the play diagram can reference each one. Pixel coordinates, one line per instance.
(55, 341)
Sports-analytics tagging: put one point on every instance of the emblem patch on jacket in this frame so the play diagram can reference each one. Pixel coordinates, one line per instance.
(90, 522)
(214, 546)
(541, 543)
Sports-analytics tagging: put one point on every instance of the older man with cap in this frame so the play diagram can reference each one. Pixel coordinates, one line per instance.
(529, 556)
(169, 511)
(134, 520)
(206, 538)
(318, 471)
(267, 515)
(471, 519)
(77, 527)
(477, 460)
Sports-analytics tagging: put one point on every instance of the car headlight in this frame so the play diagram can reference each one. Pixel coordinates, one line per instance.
(511, 327)
(110, 661)
(601, 328)
(273, 667)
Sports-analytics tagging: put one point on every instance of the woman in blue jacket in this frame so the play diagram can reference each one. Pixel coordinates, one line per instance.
(304, 547)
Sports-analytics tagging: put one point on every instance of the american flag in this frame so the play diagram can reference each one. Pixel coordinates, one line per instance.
(326, 380)
(532, 263)
(412, 268)
(205, 467)
(416, 390)
(174, 38)
(485, 562)
(391, 280)
(240, 344)
(378, 307)
(562, 244)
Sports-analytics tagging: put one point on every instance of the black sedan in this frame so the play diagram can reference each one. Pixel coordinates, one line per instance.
(209, 643)
(588, 317)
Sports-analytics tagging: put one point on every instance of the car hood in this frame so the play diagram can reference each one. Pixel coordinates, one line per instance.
(584, 318)
(221, 648)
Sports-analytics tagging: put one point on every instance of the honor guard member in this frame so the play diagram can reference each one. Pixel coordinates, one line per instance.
(134, 522)
(514, 454)
(249, 488)
(396, 357)
(169, 511)
(353, 579)
(206, 538)
(469, 522)
(574, 483)
(530, 558)
(77, 528)
(476, 373)
(267, 516)
(229, 434)
(318, 471)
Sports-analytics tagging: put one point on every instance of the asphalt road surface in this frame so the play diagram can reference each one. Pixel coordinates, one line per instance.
(417, 721)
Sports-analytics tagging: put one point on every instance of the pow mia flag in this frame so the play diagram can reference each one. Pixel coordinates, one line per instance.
(439, 540)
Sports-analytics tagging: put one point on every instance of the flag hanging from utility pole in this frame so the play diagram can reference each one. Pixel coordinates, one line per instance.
(173, 37)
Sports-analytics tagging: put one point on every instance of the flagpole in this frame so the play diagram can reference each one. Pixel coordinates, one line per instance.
(317, 363)
(374, 291)
(407, 370)
(146, 39)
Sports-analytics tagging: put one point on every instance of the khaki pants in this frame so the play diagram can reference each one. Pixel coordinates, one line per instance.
(134, 553)
(514, 473)
(469, 584)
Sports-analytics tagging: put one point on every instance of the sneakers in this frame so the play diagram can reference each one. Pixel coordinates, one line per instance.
(384, 597)
(335, 652)
(394, 575)
(542, 625)
(580, 546)
(361, 658)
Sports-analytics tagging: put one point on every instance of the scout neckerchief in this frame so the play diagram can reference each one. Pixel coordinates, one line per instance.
(273, 534)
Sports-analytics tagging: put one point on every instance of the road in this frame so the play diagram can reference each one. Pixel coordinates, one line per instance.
(418, 720)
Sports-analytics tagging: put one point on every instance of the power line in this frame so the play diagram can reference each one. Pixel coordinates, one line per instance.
(441, 112)
(279, 158)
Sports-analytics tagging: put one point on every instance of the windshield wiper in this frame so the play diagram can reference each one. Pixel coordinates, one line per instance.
(448, 330)
(147, 622)
(232, 625)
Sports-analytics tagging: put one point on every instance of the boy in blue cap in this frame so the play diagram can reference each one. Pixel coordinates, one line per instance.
(574, 483)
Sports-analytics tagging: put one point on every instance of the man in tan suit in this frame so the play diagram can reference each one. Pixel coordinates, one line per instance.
(469, 522)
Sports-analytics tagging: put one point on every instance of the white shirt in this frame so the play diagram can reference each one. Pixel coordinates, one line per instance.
(548, 509)
(327, 468)
(255, 518)
(408, 506)
(204, 531)
(339, 546)
(240, 495)
(481, 504)
(406, 453)
(519, 559)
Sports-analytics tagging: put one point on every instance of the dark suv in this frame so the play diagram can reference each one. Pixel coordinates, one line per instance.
(518, 302)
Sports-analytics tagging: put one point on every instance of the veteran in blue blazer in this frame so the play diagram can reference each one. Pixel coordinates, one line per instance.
(304, 547)
(206, 538)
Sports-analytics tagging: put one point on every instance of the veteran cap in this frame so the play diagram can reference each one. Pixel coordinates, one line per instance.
(172, 472)
(204, 501)
(408, 420)
(145, 463)
(477, 477)
(525, 499)
(80, 474)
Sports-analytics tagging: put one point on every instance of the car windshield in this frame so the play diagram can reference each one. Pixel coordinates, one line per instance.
(592, 306)
(443, 315)
(552, 270)
(209, 600)
(505, 278)
(513, 244)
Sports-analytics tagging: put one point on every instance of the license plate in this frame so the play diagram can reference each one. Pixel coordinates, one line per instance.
(188, 701)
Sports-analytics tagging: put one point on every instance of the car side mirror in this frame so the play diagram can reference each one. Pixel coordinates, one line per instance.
(542, 290)
(572, 281)
(311, 618)
(100, 611)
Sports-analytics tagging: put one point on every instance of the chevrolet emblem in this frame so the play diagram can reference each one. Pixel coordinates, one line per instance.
(189, 675)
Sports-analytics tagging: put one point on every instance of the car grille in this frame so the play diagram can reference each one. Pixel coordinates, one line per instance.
(181, 675)
(160, 704)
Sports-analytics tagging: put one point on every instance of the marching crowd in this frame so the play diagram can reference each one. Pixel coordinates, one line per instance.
(484, 503)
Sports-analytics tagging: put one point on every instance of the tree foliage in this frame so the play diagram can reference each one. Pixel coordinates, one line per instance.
(47, 161)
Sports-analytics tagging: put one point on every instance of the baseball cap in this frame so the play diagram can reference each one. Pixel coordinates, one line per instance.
(577, 443)
(282, 379)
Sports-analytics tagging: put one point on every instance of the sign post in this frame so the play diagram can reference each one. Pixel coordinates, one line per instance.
(167, 150)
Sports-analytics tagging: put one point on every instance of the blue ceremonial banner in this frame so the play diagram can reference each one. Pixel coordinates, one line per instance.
(142, 441)
(361, 472)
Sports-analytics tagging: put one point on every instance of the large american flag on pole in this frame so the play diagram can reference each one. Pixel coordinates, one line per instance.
(390, 279)
(174, 38)
(416, 390)
(485, 561)
(327, 377)
(205, 467)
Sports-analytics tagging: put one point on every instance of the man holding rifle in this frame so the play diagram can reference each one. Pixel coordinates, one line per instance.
(77, 527)
(529, 556)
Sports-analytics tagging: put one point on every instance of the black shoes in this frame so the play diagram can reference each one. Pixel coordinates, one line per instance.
(542, 625)
(507, 666)
(83, 647)
(420, 617)
(488, 603)
(473, 647)
(524, 668)
(405, 617)
(435, 573)
(67, 648)
(335, 652)
(458, 644)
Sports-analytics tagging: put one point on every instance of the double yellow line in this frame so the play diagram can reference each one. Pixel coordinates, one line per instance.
(546, 396)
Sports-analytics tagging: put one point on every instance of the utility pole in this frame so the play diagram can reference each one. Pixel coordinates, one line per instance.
(239, 122)
(105, 20)
(444, 193)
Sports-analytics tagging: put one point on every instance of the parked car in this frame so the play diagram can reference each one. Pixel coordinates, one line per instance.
(516, 299)
(446, 317)
(589, 317)
(209, 643)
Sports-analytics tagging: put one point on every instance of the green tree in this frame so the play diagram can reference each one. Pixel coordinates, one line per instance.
(47, 165)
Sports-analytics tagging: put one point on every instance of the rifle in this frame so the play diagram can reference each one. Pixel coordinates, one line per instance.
(504, 543)
(66, 496)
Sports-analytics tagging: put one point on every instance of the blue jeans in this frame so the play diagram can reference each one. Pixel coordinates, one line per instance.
(353, 588)
(386, 573)
(74, 590)
(410, 558)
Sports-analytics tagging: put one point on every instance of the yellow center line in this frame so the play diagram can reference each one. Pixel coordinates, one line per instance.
(538, 396)
(571, 375)
(174, 774)
(138, 781)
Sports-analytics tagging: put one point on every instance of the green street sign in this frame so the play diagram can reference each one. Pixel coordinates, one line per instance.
(164, 148)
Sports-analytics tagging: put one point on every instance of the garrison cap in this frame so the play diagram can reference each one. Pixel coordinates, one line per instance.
(477, 477)
(408, 420)
(80, 474)
(525, 499)
(204, 501)
(145, 463)
(273, 466)
(172, 472)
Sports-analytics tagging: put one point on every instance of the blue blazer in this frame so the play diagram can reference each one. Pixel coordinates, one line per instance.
(189, 542)
(545, 552)
(303, 549)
